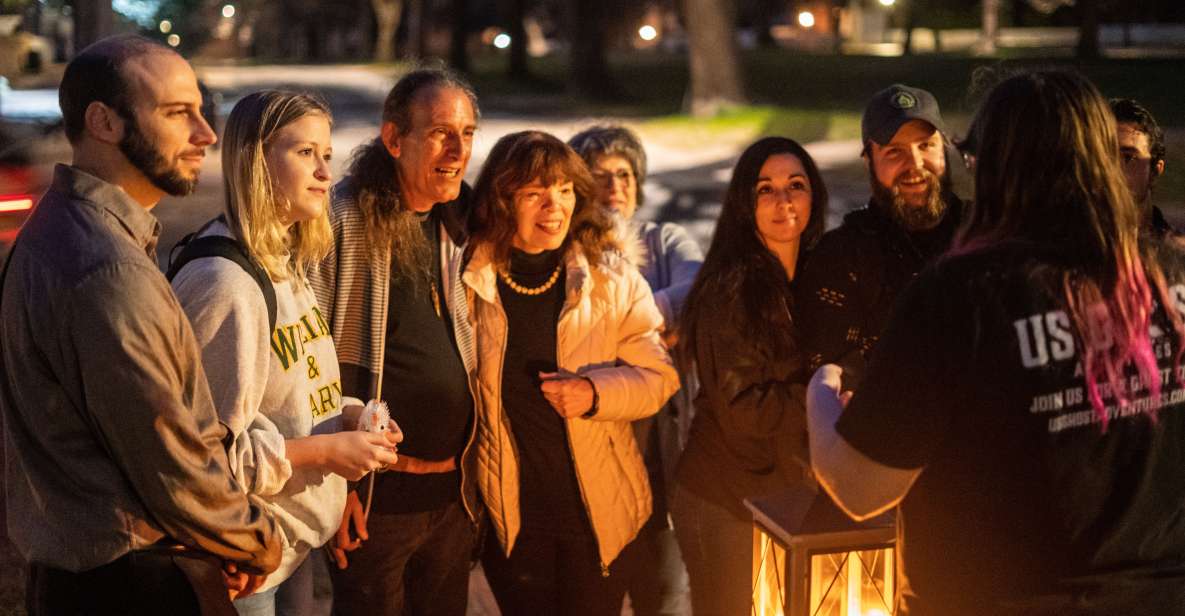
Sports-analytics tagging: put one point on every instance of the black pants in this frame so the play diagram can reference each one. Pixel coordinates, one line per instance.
(414, 563)
(553, 575)
(657, 580)
(140, 583)
(717, 547)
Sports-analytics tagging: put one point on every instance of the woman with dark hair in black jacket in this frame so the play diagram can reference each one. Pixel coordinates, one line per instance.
(749, 435)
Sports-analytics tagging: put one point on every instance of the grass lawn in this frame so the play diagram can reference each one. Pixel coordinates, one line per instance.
(813, 97)
(652, 84)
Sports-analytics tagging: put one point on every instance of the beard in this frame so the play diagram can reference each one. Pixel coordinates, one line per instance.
(913, 217)
(144, 155)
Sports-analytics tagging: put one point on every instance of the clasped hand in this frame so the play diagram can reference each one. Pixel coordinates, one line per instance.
(571, 395)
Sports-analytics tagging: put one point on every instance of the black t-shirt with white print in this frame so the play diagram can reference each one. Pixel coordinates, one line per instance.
(1025, 504)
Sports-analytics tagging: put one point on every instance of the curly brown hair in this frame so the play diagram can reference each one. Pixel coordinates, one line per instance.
(519, 159)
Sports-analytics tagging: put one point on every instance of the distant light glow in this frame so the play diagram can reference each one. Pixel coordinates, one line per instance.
(888, 2)
(16, 203)
(502, 41)
(648, 33)
(166, 26)
(173, 40)
(806, 19)
(876, 611)
(142, 12)
(228, 10)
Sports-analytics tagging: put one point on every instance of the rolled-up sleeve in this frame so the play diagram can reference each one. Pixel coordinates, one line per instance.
(150, 405)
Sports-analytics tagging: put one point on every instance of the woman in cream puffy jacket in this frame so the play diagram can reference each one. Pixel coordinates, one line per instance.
(567, 336)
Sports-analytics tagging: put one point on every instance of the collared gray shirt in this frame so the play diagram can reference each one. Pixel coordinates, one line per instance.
(112, 441)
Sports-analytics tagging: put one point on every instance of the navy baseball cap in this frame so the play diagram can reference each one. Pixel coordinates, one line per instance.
(892, 107)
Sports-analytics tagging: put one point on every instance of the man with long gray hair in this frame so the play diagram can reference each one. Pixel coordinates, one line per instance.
(392, 294)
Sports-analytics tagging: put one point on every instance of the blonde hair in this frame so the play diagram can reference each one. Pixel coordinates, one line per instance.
(253, 210)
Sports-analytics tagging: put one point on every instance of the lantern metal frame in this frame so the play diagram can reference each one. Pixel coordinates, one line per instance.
(793, 527)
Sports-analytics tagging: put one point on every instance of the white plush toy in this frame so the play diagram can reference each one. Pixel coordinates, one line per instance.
(376, 418)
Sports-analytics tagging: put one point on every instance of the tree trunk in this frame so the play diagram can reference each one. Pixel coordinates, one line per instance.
(910, 22)
(386, 17)
(515, 27)
(836, 37)
(714, 62)
(458, 52)
(31, 19)
(415, 29)
(93, 20)
(1088, 30)
(589, 74)
(989, 30)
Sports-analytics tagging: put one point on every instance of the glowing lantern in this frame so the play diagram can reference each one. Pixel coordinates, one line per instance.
(810, 559)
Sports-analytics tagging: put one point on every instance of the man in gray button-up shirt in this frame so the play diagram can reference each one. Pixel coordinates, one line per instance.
(112, 441)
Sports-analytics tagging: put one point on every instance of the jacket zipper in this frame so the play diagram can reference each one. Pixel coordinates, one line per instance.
(572, 456)
(469, 378)
(465, 451)
(584, 500)
(502, 421)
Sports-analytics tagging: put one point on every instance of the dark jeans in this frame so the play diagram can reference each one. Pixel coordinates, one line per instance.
(657, 580)
(140, 583)
(553, 575)
(718, 550)
(414, 563)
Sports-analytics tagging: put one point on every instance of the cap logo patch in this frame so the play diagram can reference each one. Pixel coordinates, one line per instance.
(904, 100)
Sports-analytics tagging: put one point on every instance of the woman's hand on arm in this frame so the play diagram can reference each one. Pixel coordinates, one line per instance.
(569, 394)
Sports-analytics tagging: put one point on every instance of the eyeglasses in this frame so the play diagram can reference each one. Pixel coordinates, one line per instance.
(606, 178)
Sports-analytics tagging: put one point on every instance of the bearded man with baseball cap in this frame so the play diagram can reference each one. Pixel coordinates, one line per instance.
(846, 290)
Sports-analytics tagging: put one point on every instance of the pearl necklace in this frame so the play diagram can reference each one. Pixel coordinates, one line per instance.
(521, 290)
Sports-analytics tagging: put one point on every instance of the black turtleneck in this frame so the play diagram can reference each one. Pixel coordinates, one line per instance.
(548, 490)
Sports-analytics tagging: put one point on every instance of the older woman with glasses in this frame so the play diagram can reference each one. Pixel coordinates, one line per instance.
(658, 580)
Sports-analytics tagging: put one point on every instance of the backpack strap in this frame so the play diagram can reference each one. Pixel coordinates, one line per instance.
(227, 248)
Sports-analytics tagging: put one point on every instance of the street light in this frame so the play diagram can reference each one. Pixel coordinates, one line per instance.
(228, 11)
(173, 40)
(502, 41)
(166, 26)
(648, 33)
(806, 19)
(888, 2)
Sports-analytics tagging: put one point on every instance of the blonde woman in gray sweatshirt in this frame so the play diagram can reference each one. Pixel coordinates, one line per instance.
(278, 388)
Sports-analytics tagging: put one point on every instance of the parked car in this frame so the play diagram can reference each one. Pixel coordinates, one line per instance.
(20, 186)
(31, 140)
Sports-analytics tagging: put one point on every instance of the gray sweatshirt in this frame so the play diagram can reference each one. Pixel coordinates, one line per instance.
(268, 387)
